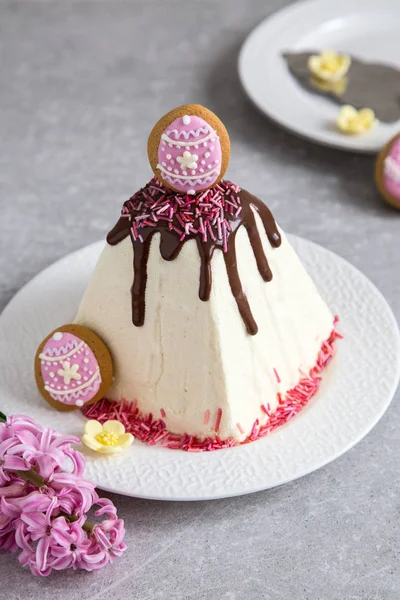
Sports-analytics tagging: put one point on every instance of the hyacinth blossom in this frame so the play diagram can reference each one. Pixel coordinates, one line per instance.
(44, 502)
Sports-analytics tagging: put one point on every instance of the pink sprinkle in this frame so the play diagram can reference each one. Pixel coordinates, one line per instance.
(218, 420)
(277, 376)
(163, 413)
(152, 431)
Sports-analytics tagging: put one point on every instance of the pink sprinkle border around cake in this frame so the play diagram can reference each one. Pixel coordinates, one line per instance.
(152, 431)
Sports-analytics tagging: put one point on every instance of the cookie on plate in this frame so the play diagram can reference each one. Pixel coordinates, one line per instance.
(73, 368)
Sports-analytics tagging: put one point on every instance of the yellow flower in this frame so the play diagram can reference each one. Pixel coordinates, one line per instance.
(329, 65)
(335, 87)
(108, 438)
(353, 121)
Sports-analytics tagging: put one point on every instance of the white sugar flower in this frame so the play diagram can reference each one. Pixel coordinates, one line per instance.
(188, 161)
(69, 372)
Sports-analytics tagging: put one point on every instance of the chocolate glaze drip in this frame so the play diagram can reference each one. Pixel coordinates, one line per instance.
(171, 243)
(374, 85)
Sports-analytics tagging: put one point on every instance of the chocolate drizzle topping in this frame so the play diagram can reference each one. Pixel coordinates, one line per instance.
(212, 218)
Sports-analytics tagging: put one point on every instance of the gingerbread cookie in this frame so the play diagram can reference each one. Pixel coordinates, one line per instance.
(387, 172)
(189, 149)
(73, 368)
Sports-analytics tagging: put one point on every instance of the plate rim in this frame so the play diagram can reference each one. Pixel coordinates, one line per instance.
(346, 144)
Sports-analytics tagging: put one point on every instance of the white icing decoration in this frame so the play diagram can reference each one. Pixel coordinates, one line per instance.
(203, 162)
(57, 336)
(81, 387)
(205, 144)
(69, 372)
(164, 164)
(188, 160)
(191, 180)
(194, 180)
(186, 120)
(79, 403)
(392, 169)
(207, 155)
(169, 168)
(191, 192)
(85, 378)
(57, 358)
(168, 156)
(176, 171)
(172, 142)
(216, 161)
(187, 134)
(86, 360)
(201, 170)
(51, 374)
(193, 172)
(196, 146)
(187, 147)
(211, 148)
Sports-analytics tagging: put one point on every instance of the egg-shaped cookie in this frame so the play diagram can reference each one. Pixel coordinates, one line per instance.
(73, 368)
(387, 172)
(189, 149)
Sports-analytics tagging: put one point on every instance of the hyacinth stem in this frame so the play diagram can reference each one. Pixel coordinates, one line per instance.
(3, 417)
(32, 477)
(87, 526)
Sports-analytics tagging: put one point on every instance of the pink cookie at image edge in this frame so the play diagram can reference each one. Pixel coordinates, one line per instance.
(391, 170)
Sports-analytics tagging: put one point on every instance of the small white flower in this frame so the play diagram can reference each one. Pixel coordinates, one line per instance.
(188, 161)
(69, 372)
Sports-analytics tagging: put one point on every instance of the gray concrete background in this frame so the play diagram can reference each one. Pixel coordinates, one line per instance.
(81, 85)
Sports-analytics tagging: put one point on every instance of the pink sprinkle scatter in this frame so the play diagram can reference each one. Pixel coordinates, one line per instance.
(152, 431)
(207, 212)
(218, 420)
(163, 413)
(277, 376)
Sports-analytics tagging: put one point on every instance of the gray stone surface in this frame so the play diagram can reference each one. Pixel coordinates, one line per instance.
(81, 84)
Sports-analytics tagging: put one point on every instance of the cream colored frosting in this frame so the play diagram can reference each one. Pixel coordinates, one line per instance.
(191, 356)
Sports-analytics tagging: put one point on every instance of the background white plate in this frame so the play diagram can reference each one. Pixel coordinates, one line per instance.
(369, 29)
(356, 390)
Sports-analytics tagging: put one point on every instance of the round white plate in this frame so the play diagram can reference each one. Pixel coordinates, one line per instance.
(356, 390)
(368, 29)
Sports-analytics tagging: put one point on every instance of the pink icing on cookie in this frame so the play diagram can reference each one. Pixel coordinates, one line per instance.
(189, 155)
(391, 170)
(70, 371)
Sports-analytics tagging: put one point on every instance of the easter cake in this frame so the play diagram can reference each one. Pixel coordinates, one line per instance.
(216, 332)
